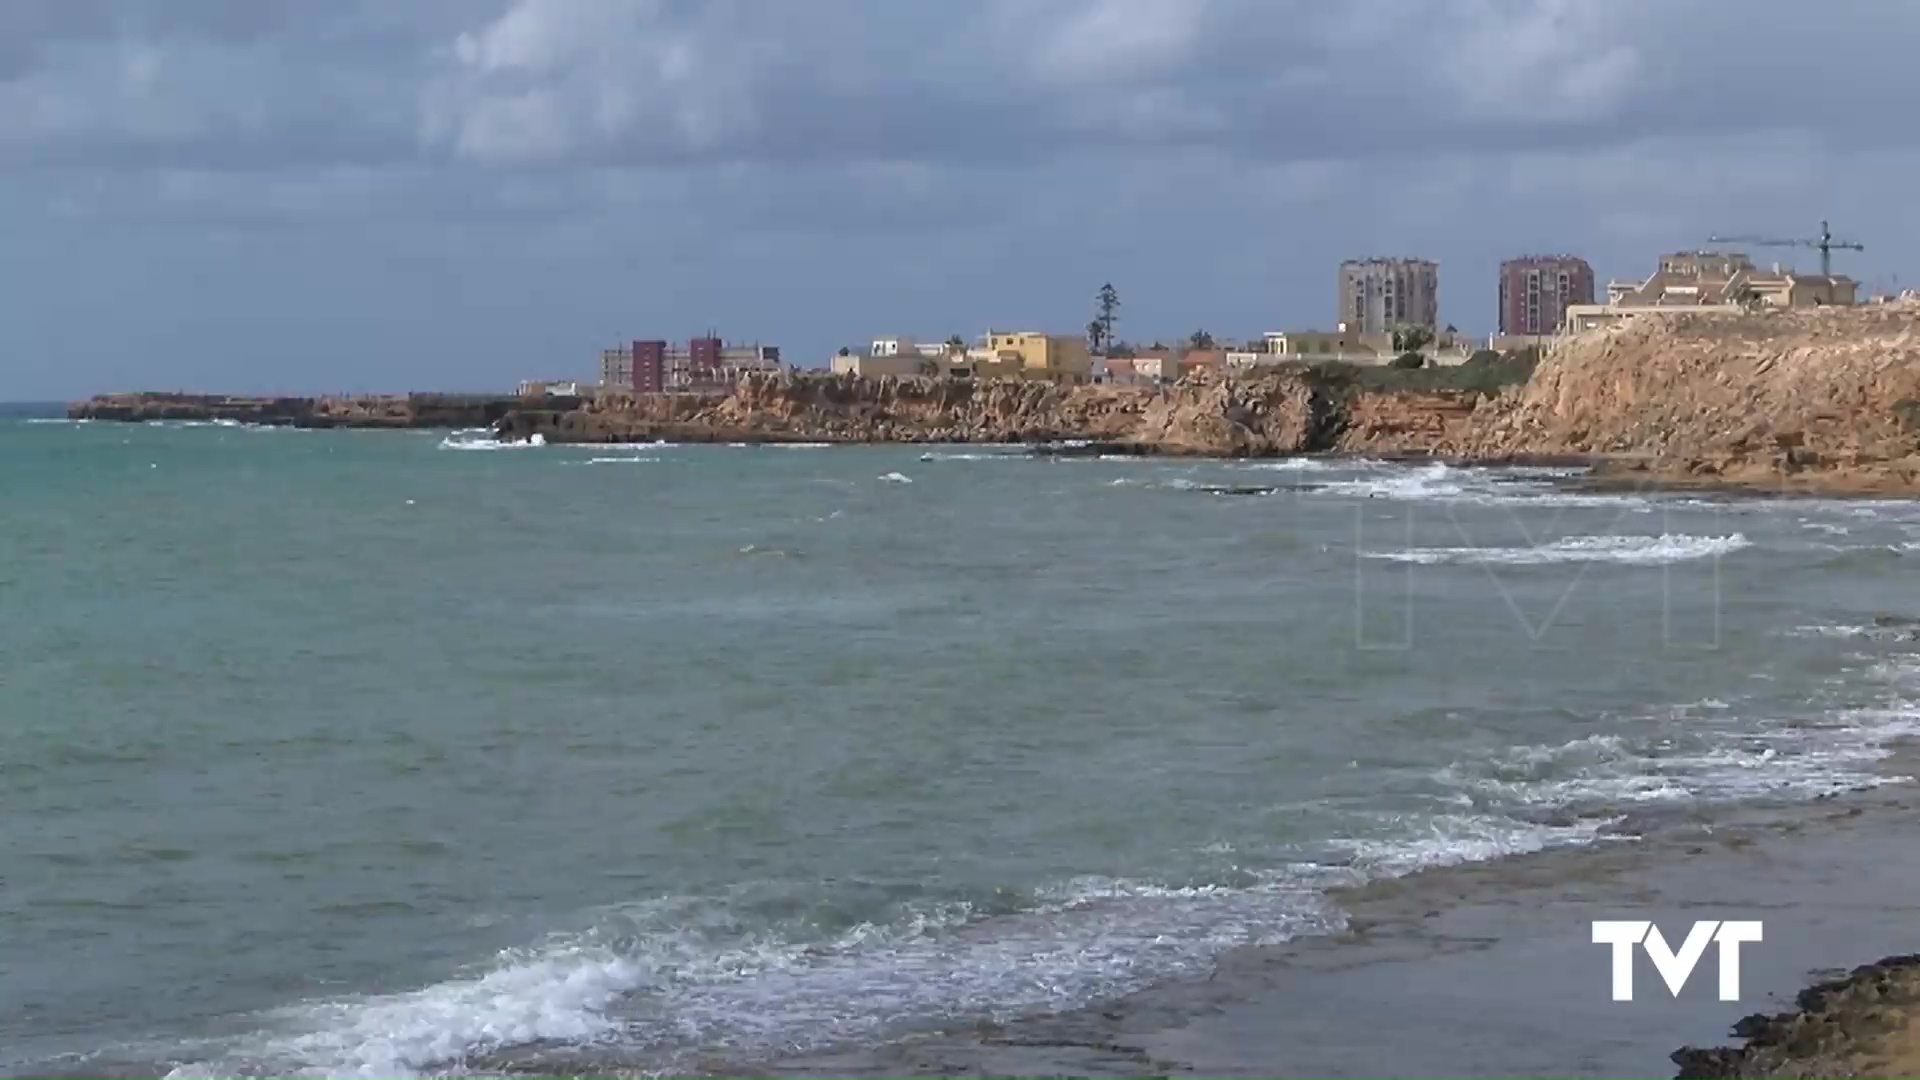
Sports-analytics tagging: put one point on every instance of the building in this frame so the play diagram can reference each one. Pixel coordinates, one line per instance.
(1536, 290)
(649, 367)
(896, 357)
(1712, 281)
(1315, 345)
(555, 388)
(704, 365)
(1031, 354)
(1378, 296)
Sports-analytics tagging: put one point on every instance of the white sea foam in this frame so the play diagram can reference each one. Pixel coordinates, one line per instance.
(974, 455)
(1704, 761)
(559, 994)
(1877, 633)
(1451, 839)
(1304, 464)
(484, 439)
(641, 460)
(897, 478)
(1628, 550)
(1479, 486)
(1084, 938)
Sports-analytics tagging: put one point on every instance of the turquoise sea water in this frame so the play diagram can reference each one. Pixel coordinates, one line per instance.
(362, 753)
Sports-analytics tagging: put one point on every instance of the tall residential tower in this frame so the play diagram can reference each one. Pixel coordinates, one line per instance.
(1378, 296)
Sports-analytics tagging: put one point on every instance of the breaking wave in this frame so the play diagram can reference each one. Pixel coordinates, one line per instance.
(1627, 550)
(483, 439)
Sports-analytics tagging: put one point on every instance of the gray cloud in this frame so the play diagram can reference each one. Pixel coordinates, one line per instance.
(552, 173)
(659, 84)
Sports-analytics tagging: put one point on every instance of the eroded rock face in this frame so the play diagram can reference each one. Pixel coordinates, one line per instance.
(1279, 413)
(1827, 392)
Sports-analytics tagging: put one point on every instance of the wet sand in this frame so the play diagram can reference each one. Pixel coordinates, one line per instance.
(1490, 970)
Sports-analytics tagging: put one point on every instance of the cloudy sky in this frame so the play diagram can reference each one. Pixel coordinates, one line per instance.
(315, 195)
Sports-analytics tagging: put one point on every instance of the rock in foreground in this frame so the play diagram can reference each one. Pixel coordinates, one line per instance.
(1865, 1024)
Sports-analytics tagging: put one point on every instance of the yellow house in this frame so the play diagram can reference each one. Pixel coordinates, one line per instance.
(1031, 354)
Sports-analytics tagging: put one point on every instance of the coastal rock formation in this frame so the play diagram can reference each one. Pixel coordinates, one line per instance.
(1818, 397)
(1865, 1024)
(370, 411)
(1279, 413)
(1396, 424)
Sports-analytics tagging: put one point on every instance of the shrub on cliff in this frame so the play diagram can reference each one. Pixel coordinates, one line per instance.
(1409, 360)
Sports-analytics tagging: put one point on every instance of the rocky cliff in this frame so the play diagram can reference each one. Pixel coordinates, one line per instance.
(1282, 413)
(1821, 398)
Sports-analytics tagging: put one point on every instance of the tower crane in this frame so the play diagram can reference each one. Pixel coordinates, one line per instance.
(1826, 245)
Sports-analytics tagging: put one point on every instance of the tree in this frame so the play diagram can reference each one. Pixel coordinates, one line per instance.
(1412, 338)
(1409, 360)
(844, 351)
(1108, 302)
(954, 341)
(1200, 339)
(1094, 334)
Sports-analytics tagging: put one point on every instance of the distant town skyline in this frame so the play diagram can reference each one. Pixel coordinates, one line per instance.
(261, 196)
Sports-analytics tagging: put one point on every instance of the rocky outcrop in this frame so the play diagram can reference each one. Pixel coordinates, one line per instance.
(1864, 1024)
(1826, 397)
(1280, 413)
(372, 411)
(1389, 424)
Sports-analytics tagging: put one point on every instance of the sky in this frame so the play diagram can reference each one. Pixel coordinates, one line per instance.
(295, 196)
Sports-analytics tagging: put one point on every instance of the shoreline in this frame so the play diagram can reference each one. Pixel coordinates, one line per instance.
(1487, 969)
(1604, 473)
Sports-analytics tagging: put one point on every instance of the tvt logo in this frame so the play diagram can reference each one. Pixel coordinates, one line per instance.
(1674, 967)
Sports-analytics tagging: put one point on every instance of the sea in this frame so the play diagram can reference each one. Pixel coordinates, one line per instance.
(343, 754)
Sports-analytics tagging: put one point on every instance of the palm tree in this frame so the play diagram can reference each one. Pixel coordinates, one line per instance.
(1200, 339)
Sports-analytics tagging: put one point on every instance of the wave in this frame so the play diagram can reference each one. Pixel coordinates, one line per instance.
(1475, 485)
(679, 975)
(1627, 550)
(483, 439)
(1307, 464)
(670, 980)
(1452, 839)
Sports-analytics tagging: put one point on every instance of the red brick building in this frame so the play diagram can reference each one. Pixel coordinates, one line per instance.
(1536, 290)
(649, 367)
